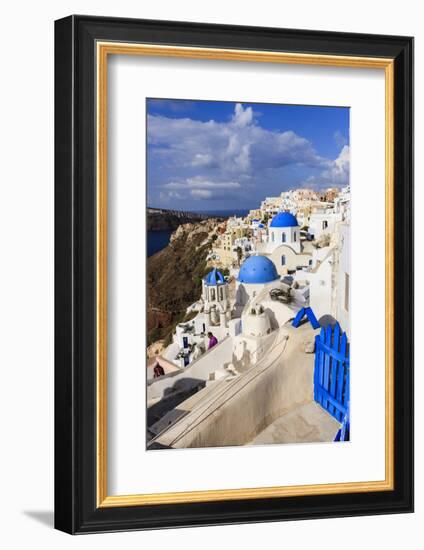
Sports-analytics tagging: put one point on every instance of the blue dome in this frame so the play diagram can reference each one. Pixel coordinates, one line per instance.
(257, 270)
(284, 219)
(214, 277)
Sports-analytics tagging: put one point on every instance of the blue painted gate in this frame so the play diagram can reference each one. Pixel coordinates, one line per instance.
(331, 375)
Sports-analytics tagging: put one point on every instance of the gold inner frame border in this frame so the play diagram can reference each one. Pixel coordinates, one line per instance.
(103, 50)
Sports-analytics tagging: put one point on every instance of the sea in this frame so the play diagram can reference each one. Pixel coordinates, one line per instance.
(157, 240)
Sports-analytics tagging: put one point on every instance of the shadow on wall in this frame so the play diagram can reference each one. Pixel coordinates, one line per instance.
(326, 320)
(272, 318)
(155, 446)
(241, 357)
(241, 296)
(173, 396)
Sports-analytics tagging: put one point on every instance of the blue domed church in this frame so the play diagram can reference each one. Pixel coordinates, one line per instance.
(256, 273)
(284, 246)
(215, 298)
(284, 229)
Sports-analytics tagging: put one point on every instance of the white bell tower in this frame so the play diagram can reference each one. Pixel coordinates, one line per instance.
(216, 299)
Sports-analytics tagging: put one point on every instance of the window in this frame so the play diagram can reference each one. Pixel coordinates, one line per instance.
(283, 237)
(325, 224)
(272, 236)
(212, 294)
(346, 296)
(221, 293)
(283, 260)
(294, 236)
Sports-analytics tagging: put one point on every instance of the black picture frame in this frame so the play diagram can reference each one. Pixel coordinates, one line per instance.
(76, 510)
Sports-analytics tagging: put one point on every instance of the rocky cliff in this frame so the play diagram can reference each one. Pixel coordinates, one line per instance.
(174, 277)
(159, 219)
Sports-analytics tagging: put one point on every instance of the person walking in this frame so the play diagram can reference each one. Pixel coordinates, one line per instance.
(158, 371)
(212, 340)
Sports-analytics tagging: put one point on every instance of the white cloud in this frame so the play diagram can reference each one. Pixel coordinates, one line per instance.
(235, 147)
(336, 173)
(198, 188)
(242, 117)
(199, 183)
(170, 195)
(339, 138)
(201, 160)
(201, 194)
(187, 155)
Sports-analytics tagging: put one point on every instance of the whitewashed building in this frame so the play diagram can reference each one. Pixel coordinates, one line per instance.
(256, 273)
(284, 245)
(329, 279)
(322, 222)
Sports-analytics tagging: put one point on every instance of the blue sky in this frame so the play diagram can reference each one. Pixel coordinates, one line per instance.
(212, 155)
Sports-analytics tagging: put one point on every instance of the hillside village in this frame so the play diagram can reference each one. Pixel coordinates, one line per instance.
(292, 252)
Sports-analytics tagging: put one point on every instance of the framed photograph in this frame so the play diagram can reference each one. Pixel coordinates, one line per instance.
(234, 274)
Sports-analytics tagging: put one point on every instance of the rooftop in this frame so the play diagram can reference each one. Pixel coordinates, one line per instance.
(284, 219)
(258, 270)
(214, 277)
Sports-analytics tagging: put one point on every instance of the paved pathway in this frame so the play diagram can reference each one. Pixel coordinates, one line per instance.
(305, 424)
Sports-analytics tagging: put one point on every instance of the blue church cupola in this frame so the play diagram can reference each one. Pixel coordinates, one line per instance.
(214, 277)
(284, 219)
(216, 300)
(284, 230)
(257, 270)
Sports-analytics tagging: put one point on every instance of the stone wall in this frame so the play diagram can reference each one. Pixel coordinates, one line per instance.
(244, 406)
